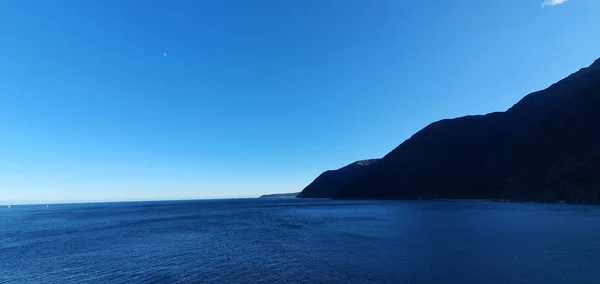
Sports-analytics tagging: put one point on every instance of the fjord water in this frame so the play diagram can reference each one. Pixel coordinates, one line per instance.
(300, 241)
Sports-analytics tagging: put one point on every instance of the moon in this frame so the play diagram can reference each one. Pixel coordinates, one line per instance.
(164, 54)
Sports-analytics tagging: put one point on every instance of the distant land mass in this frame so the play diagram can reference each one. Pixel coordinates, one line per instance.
(546, 148)
(280, 195)
(330, 182)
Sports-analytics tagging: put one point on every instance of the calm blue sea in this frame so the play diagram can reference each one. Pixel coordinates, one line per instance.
(300, 241)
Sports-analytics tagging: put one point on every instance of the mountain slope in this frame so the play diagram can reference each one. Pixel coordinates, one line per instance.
(327, 184)
(544, 148)
(280, 195)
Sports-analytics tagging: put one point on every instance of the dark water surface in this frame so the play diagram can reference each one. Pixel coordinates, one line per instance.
(300, 241)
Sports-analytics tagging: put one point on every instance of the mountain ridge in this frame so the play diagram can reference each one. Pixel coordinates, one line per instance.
(328, 183)
(478, 156)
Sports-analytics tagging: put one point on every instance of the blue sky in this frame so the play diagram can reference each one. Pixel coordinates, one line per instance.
(122, 100)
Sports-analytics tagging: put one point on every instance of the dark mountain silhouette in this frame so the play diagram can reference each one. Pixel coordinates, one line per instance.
(544, 148)
(329, 183)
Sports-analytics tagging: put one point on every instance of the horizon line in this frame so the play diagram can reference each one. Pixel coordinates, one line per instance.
(28, 203)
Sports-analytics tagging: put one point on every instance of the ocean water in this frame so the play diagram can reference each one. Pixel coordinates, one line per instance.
(300, 241)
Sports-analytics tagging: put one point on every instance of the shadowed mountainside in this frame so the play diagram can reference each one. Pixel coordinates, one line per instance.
(330, 182)
(544, 148)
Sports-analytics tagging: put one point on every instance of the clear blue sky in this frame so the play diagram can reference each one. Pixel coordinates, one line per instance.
(258, 96)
